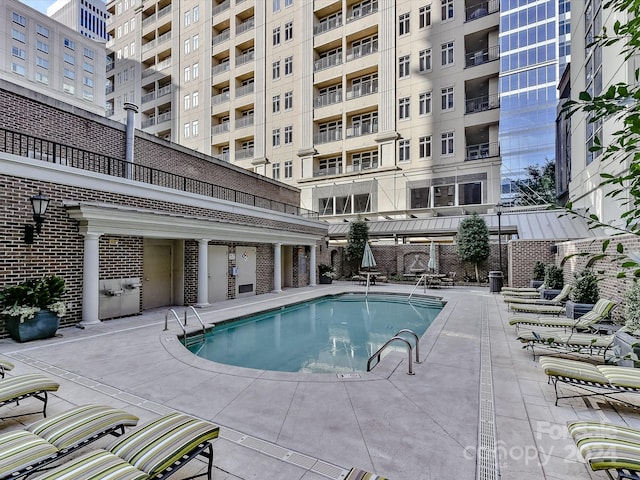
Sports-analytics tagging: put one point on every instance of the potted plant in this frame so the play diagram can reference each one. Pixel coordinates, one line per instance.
(627, 339)
(538, 275)
(327, 273)
(553, 281)
(32, 309)
(584, 294)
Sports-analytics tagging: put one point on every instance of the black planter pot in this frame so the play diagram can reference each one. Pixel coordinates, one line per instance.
(625, 341)
(549, 293)
(325, 280)
(575, 310)
(43, 325)
(535, 283)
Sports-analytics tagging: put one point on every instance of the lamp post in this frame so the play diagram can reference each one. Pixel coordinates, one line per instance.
(499, 213)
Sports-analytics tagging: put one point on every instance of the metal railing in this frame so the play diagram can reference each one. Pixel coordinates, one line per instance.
(245, 26)
(221, 37)
(220, 8)
(245, 90)
(376, 355)
(327, 62)
(245, 58)
(23, 145)
(362, 89)
(220, 128)
(482, 10)
(482, 104)
(483, 56)
(482, 150)
(328, 98)
(328, 136)
(220, 68)
(327, 25)
(362, 129)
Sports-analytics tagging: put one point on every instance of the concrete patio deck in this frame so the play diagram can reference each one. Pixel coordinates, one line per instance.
(477, 407)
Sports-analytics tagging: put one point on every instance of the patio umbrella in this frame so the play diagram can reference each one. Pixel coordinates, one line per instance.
(367, 258)
(432, 257)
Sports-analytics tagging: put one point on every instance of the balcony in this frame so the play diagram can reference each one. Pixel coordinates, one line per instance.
(161, 92)
(327, 26)
(245, 121)
(225, 157)
(362, 129)
(164, 38)
(245, 90)
(149, 122)
(482, 104)
(220, 98)
(149, 20)
(361, 51)
(327, 62)
(359, 167)
(362, 89)
(149, 45)
(220, 68)
(362, 12)
(221, 37)
(328, 99)
(482, 150)
(482, 10)
(163, 117)
(110, 66)
(108, 89)
(165, 11)
(220, 128)
(245, 26)
(323, 172)
(244, 154)
(482, 56)
(245, 58)
(220, 8)
(327, 137)
(166, 63)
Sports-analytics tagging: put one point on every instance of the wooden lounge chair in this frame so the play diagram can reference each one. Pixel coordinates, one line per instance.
(561, 342)
(559, 299)
(5, 366)
(599, 312)
(603, 380)
(155, 450)
(608, 447)
(25, 451)
(357, 474)
(14, 389)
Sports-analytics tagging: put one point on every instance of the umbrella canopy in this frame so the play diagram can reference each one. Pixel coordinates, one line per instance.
(432, 257)
(367, 258)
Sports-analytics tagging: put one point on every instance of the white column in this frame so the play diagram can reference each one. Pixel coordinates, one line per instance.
(203, 273)
(277, 268)
(312, 267)
(90, 276)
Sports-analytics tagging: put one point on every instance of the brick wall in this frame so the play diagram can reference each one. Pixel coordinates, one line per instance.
(523, 255)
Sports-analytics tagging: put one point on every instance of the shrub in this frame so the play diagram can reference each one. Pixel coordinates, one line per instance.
(326, 270)
(538, 271)
(27, 298)
(632, 308)
(553, 277)
(585, 287)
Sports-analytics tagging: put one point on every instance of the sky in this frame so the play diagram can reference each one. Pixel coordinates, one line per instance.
(40, 5)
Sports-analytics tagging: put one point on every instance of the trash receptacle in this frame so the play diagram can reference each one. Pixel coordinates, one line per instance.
(495, 282)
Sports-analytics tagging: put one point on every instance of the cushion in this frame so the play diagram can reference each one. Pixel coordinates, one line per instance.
(98, 464)
(357, 474)
(14, 387)
(20, 449)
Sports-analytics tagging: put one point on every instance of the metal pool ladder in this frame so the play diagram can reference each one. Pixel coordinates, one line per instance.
(187, 340)
(409, 348)
(423, 277)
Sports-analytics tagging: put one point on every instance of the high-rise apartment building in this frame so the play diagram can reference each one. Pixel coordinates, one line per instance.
(89, 17)
(535, 37)
(380, 108)
(50, 58)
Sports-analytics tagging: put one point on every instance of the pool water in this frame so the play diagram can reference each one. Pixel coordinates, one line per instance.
(334, 334)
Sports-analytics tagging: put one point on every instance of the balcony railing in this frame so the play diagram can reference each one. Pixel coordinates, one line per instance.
(361, 51)
(481, 104)
(482, 150)
(362, 166)
(245, 90)
(16, 143)
(245, 58)
(164, 37)
(165, 11)
(244, 153)
(328, 136)
(221, 37)
(163, 117)
(149, 45)
(328, 25)
(323, 172)
(362, 129)
(110, 66)
(363, 12)
(327, 62)
(220, 8)
(362, 89)
(245, 26)
(220, 128)
(245, 121)
(482, 56)
(149, 20)
(482, 10)
(225, 157)
(220, 98)
(161, 92)
(220, 68)
(108, 89)
(328, 99)
(149, 122)
(156, 68)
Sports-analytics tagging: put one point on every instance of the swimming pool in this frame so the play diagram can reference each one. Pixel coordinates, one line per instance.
(333, 334)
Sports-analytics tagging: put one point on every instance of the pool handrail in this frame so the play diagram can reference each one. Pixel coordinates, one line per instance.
(186, 312)
(175, 315)
(422, 277)
(415, 335)
(377, 354)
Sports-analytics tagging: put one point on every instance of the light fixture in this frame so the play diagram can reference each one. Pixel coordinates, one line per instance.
(326, 240)
(498, 209)
(39, 204)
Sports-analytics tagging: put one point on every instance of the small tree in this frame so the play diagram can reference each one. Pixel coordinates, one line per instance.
(553, 277)
(585, 287)
(473, 241)
(538, 271)
(356, 239)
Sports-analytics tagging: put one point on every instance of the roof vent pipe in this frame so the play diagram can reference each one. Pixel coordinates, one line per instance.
(128, 155)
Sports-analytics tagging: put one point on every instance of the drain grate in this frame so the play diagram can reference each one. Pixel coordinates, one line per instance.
(486, 457)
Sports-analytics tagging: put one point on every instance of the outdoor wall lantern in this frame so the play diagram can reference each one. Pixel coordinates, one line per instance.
(39, 204)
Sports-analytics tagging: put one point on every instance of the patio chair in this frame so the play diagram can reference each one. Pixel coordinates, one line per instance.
(48, 440)
(5, 366)
(605, 380)
(156, 450)
(599, 312)
(524, 290)
(14, 389)
(562, 342)
(538, 308)
(449, 280)
(357, 474)
(557, 300)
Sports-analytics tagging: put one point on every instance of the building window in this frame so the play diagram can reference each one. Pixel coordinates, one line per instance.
(424, 16)
(470, 193)
(187, 18)
(275, 104)
(444, 196)
(288, 65)
(42, 62)
(19, 52)
(403, 66)
(404, 108)
(19, 69)
(447, 9)
(276, 36)
(425, 146)
(87, 52)
(420, 197)
(70, 44)
(404, 24)
(196, 13)
(364, 161)
(288, 31)
(19, 19)
(44, 31)
(187, 130)
(43, 47)
(42, 77)
(196, 70)
(194, 128)
(404, 150)
(276, 5)
(275, 137)
(19, 36)
(196, 42)
(187, 74)
(187, 102)
(275, 171)
(447, 143)
(288, 3)
(288, 169)
(288, 135)
(329, 166)
(288, 100)
(69, 73)
(87, 81)
(70, 59)
(195, 99)
(424, 103)
(425, 60)
(187, 46)
(70, 89)
(275, 69)
(446, 95)
(447, 53)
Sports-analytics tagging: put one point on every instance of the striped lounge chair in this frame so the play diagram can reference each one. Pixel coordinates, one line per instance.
(357, 474)
(608, 447)
(14, 389)
(25, 451)
(605, 380)
(561, 342)
(155, 450)
(557, 300)
(5, 366)
(599, 312)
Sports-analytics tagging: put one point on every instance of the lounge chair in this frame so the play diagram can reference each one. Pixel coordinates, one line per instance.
(557, 300)
(155, 450)
(449, 280)
(48, 440)
(14, 389)
(561, 342)
(603, 380)
(608, 447)
(5, 366)
(508, 290)
(599, 312)
(357, 474)
(539, 309)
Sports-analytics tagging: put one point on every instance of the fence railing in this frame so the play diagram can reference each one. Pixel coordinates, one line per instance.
(23, 145)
